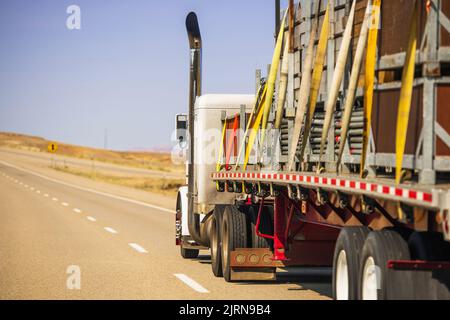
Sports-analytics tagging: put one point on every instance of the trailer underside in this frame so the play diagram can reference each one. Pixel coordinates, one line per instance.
(310, 211)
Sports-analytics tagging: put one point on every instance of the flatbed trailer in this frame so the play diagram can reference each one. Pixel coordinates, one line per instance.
(385, 238)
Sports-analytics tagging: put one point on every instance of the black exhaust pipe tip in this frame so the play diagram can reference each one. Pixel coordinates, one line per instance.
(193, 28)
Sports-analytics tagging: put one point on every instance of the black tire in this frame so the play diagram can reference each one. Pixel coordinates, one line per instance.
(265, 227)
(432, 284)
(234, 235)
(188, 253)
(380, 247)
(348, 250)
(216, 241)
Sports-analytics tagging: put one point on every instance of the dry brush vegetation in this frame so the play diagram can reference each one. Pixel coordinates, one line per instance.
(146, 160)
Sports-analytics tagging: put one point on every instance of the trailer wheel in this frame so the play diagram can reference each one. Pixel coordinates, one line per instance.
(377, 282)
(189, 253)
(265, 227)
(346, 262)
(234, 235)
(432, 284)
(216, 241)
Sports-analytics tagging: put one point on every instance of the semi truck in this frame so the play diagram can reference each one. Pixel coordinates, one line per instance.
(340, 158)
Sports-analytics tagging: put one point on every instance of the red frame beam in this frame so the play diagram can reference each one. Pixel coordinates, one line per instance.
(418, 265)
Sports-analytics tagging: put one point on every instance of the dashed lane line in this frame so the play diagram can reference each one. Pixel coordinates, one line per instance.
(191, 283)
(89, 190)
(110, 230)
(137, 247)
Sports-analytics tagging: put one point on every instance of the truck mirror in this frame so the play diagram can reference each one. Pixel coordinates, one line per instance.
(181, 129)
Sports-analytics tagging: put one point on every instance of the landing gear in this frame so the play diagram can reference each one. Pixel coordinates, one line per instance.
(346, 262)
(234, 235)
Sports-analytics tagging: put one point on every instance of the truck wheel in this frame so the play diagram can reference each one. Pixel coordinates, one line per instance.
(377, 282)
(216, 241)
(432, 284)
(188, 253)
(234, 235)
(346, 262)
(265, 227)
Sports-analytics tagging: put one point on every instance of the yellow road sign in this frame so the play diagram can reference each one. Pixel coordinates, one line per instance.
(52, 147)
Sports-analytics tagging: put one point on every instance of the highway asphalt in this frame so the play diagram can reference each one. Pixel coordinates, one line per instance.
(61, 238)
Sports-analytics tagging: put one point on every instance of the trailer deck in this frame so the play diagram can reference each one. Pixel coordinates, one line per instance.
(427, 196)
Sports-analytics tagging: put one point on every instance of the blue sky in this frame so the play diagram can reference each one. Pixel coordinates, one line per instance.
(126, 69)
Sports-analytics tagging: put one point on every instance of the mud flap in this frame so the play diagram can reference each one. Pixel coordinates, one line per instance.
(253, 274)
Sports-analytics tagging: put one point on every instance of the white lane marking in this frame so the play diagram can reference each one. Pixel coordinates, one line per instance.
(110, 230)
(21, 183)
(137, 247)
(65, 204)
(77, 210)
(37, 191)
(46, 195)
(90, 190)
(55, 199)
(191, 283)
(91, 218)
(31, 188)
(26, 186)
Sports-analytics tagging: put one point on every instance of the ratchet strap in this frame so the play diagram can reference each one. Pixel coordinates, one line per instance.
(261, 91)
(219, 160)
(353, 83)
(272, 78)
(305, 89)
(371, 56)
(404, 105)
(337, 79)
(254, 129)
(316, 77)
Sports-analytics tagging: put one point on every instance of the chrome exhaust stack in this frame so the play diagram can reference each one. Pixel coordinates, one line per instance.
(195, 89)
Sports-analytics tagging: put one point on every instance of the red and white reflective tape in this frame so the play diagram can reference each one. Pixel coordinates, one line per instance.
(336, 183)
